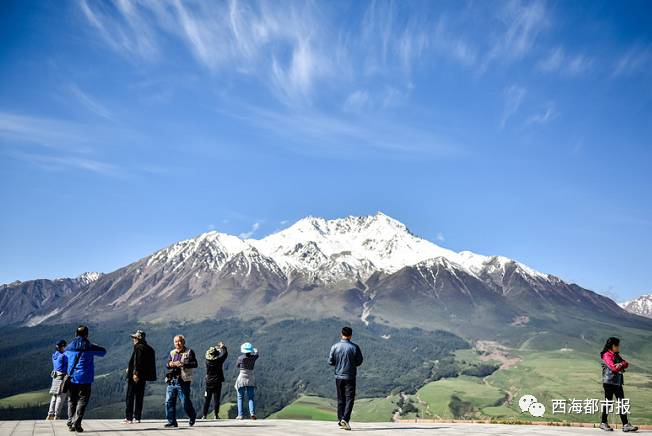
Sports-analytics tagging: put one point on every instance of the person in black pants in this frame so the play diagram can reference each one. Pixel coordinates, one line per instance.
(345, 356)
(215, 357)
(613, 367)
(80, 353)
(142, 368)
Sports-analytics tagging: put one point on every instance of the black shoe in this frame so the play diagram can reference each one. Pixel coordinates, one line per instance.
(71, 429)
(171, 424)
(191, 422)
(79, 429)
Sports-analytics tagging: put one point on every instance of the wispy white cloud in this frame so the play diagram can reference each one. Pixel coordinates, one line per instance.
(440, 237)
(514, 96)
(52, 143)
(254, 228)
(90, 103)
(123, 27)
(43, 131)
(558, 61)
(284, 47)
(50, 162)
(446, 42)
(548, 114)
(634, 60)
(356, 100)
(518, 25)
(313, 131)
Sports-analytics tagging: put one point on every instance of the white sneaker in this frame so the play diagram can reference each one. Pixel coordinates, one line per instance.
(629, 427)
(345, 425)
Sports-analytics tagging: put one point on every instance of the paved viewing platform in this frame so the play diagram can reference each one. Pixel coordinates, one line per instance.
(284, 427)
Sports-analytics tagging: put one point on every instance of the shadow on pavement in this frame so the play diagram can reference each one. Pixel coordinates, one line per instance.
(396, 428)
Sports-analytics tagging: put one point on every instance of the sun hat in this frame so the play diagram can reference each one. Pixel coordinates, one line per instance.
(138, 334)
(247, 347)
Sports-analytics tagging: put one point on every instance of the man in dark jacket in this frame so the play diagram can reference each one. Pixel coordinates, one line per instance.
(345, 356)
(80, 353)
(215, 357)
(142, 368)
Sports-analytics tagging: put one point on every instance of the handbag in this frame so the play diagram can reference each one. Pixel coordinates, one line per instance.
(65, 383)
(57, 385)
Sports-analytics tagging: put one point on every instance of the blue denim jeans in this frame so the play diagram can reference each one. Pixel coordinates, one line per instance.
(251, 391)
(181, 389)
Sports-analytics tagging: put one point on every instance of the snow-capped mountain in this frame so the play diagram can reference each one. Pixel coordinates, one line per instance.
(640, 306)
(329, 251)
(34, 301)
(362, 267)
(371, 243)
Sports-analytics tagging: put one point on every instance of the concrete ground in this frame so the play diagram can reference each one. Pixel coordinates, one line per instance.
(283, 427)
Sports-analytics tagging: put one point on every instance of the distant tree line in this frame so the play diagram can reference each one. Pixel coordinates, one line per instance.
(293, 360)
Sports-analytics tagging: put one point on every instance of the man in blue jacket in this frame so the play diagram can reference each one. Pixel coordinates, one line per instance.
(345, 356)
(80, 353)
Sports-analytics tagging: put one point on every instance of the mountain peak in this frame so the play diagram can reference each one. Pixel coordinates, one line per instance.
(348, 224)
(640, 306)
(89, 277)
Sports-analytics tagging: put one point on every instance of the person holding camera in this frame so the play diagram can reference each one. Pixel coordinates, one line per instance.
(181, 362)
(246, 381)
(215, 357)
(59, 369)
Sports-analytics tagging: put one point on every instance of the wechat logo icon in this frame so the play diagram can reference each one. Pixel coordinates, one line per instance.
(529, 403)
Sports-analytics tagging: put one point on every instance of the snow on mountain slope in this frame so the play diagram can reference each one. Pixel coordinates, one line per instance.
(383, 241)
(640, 306)
(88, 277)
(208, 251)
(350, 248)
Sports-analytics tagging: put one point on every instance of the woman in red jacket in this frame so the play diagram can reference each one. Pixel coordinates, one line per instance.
(613, 366)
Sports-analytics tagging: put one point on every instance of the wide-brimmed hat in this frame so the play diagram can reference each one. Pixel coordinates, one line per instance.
(138, 334)
(212, 353)
(247, 347)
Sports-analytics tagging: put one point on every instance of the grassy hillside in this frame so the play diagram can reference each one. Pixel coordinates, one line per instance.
(325, 409)
(424, 374)
(558, 374)
(293, 360)
(26, 399)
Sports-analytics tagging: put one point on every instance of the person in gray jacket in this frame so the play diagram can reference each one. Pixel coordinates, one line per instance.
(345, 356)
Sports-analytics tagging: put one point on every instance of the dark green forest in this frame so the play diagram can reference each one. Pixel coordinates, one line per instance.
(293, 361)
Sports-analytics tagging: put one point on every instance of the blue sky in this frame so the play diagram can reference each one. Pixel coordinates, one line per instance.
(520, 129)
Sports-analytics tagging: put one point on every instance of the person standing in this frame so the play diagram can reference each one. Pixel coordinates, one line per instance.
(81, 369)
(345, 356)
(246, 381)
(142, 368)
(181, 362)
(215, 357)
(59, 370)
(613, 367)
